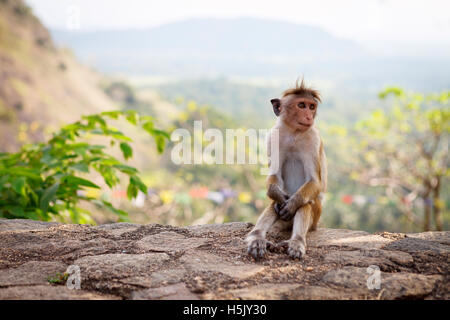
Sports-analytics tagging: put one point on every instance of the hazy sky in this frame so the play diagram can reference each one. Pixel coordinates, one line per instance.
(383, 25)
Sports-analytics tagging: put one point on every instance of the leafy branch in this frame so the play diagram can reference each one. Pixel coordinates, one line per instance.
(43, 179)
(406, 151)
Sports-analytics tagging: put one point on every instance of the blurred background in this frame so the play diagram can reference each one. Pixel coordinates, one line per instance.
(382, 66)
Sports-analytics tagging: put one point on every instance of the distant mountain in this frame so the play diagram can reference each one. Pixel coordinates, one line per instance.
(216, 36)
(208, 46)
(247, 47)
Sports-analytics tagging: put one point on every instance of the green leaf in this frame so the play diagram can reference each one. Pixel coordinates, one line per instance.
(48, 196)
(77, 181)
(108, 175)
(111, 114)
(148, 126)
(16, 211)
(132, 190)
(97, 131)
(158, 135)
(95, 118)
(396, 91)
(126, 169)
(139, 184)
(160, 144)
(132, 117)
(21, 171)
(126, 150)
(3, 180)
(109, 162)
(83, 167)
(117, 135)
(122, 214)
(96, 147)
(74, 215)
(79, 148)
(161, 133)
(31, 215)
(18, 185)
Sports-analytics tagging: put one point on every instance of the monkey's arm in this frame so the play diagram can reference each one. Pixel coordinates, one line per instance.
(323, 168)
(274, 181)
(274, 191)
(306, 193)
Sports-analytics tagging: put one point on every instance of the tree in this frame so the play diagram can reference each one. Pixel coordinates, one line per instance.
(405, 151)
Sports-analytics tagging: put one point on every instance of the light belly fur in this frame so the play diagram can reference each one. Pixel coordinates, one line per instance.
(296, 177)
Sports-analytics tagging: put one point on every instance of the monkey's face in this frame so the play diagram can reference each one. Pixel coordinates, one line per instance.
(296, 112)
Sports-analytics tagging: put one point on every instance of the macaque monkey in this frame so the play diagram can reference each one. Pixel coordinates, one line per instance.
(297, 183)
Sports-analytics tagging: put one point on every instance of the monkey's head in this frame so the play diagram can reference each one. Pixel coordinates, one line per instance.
(298, 107)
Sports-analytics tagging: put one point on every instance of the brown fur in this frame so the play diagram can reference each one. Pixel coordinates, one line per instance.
(302, 90)
(308, 192)
(317, 210)
(274, 192)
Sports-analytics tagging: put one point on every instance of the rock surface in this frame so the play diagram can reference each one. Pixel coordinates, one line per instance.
(131, 261)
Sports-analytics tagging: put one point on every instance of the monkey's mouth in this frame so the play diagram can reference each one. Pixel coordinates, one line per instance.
(305, 125)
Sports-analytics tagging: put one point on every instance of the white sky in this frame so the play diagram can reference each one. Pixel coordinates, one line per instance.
(403, 24)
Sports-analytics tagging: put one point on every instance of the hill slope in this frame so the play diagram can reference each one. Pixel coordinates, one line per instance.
(40, 85)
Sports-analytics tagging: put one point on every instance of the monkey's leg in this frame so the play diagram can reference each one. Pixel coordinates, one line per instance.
(256, 239)
(303, 220)
(316, 212)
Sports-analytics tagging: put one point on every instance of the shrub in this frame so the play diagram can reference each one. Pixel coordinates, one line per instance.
(43, 180)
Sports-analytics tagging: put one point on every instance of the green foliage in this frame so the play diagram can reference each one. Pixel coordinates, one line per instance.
(45, 179)
(244, 101)
(396, 157)
(405, 151)
(398, 92)
(58, 278)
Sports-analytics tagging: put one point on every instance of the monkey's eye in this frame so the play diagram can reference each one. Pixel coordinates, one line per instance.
(312, 107)
(301, 105)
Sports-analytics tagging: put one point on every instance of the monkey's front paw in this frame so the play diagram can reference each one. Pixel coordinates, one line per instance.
(277, 207)
(257, 248)
(296, 249)
(287, 210)
(272, 247)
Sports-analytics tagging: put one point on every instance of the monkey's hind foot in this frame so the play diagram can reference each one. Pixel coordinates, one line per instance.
(294, 248)
(258, 248)
(272, 247)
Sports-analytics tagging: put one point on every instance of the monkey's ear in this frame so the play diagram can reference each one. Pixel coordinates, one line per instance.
(276, 104)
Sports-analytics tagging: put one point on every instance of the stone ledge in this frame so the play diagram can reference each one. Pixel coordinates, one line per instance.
(131, 261)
